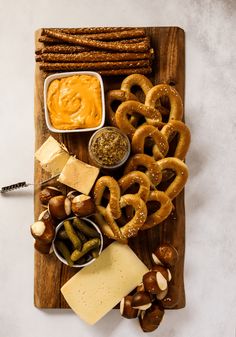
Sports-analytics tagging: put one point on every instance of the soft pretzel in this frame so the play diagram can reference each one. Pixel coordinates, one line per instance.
(114, 189)
(159, 149)
(181, 175)
(106, 216)
(161, 90)
(162, 213)
(184, 137)
(153, 170)
(109, 226)
(140, 214)
(120, 96)
(136, 80)
(136, 177)
(131, 108)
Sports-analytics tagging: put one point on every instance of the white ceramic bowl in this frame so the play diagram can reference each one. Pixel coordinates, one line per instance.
(58, 255)
(52, 77)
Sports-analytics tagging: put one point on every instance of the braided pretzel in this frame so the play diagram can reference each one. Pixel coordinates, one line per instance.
(121, 96)
(136, 177)
(161, 90)
(184, 137)
(162, 213)
(105, 216)
(181, 171)
(136, 80)
(159, 149)
(130, 108)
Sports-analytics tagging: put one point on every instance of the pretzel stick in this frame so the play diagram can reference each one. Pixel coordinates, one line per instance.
(126, 34)
(54, 41)
(117, 72)
(110, 72)
(49, 40)
(134, 47)
(94, 65)
(93, 56)
(61, 49)
(90, 30)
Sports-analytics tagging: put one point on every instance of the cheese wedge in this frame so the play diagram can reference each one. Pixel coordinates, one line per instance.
(52, 156)
(78, 175)
(97, 288)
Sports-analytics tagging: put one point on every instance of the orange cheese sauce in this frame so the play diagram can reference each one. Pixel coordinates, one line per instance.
(74, 102)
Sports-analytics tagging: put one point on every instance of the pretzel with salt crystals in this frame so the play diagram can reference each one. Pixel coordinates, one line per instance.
(162, 90)
(153, 170)
(183, 131)
(120, 96)
(136, 177)
(136, 80)
(160, 147)
(162, 213)
(130, 108)
(105, 215)
(114, 189)
(181, 175)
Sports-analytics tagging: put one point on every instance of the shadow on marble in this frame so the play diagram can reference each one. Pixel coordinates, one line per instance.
(105, 324)
(23, 193)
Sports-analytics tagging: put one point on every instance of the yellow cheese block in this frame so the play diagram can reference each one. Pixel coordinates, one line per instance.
(97, 288)
(52, 156)
(78, 175)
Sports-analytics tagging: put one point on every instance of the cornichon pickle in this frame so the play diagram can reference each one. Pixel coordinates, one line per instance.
(62, 248)
(95, 252)
(72, 235)
(62, 235)
(86, 229)
(89, 245)
(81, 236)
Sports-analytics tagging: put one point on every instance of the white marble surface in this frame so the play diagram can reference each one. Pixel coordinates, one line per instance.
(210, 265)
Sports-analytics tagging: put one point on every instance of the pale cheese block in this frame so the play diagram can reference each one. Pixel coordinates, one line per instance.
(79, 175)
(52, 156)
(97, 288)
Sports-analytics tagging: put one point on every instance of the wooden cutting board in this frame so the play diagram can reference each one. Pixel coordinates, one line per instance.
(49, 273)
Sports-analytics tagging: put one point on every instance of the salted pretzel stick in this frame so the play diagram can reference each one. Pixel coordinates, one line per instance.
(125, 34)
(133, 47)
(100, 37)
(117, 72)
(90, 30)
(110, 72)
(61, 49)
(92, 56)
(49, 40)
(94, 65)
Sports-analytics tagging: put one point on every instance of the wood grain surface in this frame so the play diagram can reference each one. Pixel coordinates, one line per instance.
(49, 273)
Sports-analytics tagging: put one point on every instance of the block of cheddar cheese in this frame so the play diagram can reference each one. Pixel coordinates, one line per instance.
(78, 175)
(97, 288)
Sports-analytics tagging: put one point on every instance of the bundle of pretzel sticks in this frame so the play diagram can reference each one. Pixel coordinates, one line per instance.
(107, 50)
